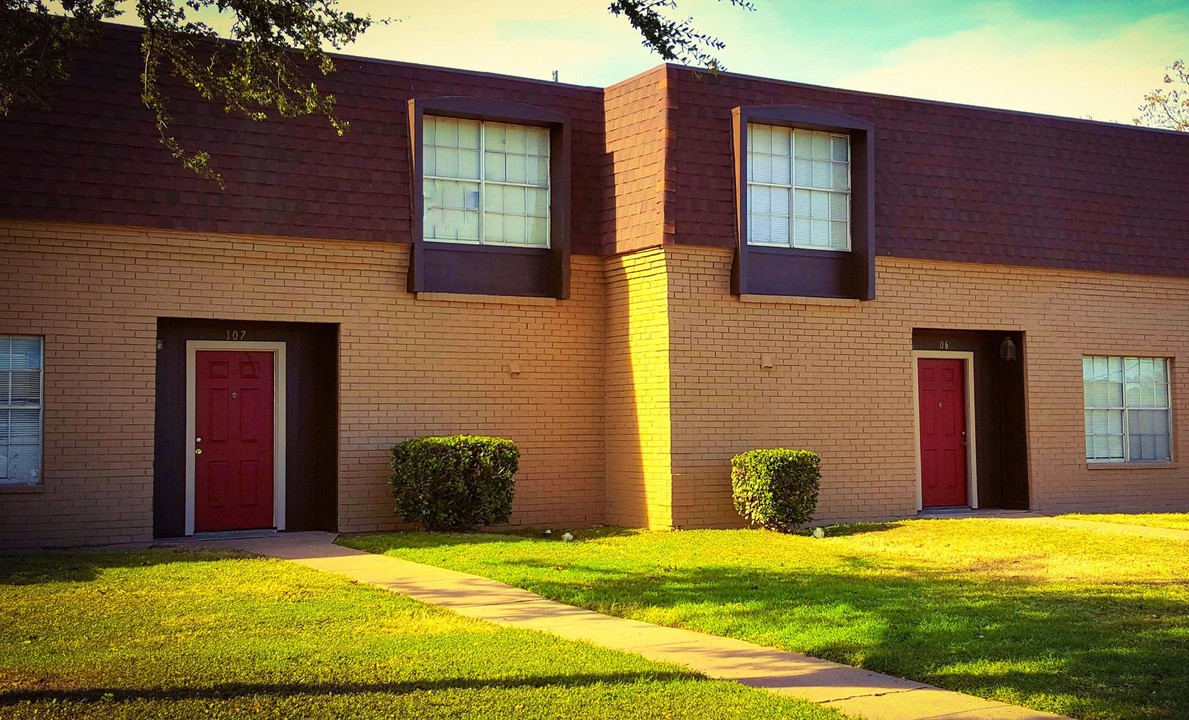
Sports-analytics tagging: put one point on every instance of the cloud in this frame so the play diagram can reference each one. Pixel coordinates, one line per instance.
(530, 38)
(1040, 65)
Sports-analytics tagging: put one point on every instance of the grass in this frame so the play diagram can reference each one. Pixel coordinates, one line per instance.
(1173, 521)
(204, 634)
(1077, 622)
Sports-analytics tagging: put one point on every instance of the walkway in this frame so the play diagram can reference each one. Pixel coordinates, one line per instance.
(849, 690)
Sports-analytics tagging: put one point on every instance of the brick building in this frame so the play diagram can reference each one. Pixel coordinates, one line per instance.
(954, 306)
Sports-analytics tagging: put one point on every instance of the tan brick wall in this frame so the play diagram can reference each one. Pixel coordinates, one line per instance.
(630, 398)
(842, 381)
(408, 367)
(639, 470)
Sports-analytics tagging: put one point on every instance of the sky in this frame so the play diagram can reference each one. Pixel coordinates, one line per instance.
(1078, 58)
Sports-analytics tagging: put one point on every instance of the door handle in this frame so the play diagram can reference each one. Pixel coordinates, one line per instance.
(199, 450)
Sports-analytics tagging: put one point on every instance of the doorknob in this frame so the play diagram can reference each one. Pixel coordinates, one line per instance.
(199, 450)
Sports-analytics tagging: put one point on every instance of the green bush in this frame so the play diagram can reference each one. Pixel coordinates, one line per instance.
(454, 482)
(776, 489)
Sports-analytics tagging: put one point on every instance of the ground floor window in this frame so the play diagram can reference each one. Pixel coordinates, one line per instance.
(1128, 409)
(20, 409)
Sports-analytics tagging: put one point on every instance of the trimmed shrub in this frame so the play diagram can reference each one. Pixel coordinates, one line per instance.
(776, 489)
(455, 482)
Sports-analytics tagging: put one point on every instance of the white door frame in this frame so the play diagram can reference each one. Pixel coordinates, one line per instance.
(971, 467)
(278, 464)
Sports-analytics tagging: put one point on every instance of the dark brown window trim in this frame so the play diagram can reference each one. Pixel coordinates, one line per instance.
(795, 271)
(459, 268)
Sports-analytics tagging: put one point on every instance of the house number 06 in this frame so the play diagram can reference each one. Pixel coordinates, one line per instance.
(237, 334)
(943, 344)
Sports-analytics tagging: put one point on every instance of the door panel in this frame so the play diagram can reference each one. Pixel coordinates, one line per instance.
(233, 422)
(942, 395)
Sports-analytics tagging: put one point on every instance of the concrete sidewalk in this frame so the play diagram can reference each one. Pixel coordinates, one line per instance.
(849, 690)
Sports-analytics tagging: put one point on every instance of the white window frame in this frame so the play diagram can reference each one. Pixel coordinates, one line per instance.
(483, 182)
(1123, 408)
(7, 480)
(792, 187)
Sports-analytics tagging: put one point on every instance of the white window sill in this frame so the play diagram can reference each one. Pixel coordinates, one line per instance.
(801, 300)
(486, 299)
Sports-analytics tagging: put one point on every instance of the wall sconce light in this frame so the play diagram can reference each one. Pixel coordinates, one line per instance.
(1007, 350)
(513, 368)
(766, 362)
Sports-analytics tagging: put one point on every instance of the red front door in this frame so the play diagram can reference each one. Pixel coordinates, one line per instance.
(233, 428)
(942, 396)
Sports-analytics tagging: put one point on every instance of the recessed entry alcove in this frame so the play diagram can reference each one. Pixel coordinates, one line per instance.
(972, 445)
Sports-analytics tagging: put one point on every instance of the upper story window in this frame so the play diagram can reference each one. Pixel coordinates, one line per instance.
(20, 409)
(798, 188)
(1128, 409)
(486, 183)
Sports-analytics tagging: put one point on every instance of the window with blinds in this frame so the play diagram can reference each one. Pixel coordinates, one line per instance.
(485, 183)
(20, 409)
(1128, 409)
(798, 188)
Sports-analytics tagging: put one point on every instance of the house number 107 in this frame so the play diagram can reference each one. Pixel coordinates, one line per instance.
(237, 334)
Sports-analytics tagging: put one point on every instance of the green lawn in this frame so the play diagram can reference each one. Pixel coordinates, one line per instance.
(1174, 521)
(1078, 622)
(192, 634)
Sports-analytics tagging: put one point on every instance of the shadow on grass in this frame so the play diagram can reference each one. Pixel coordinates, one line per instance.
(57, 567)
(1092, 650)
(857, 529)
(230, 691)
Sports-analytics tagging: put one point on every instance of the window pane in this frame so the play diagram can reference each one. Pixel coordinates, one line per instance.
(822, 175)
(1103, 394)
(447, 133)
(780, 230)
(25, 387)
(760, 200)
(803, 141)
(537, 202)
(781, 172)
(516, 169)
(839, 239)
(493, 167)
(493, 199)
(782, 142)
(821, 146)
(468, 135)
(804, 173)
(841, 177)
(820, 204)
(821, 233)
(1114, 369)
(779, 198)
(538, 231)
(515, 229)
(1140, 395)
(760, 168)
(468, 164)
(495, 137)
(759, 230)
(760, 138)
(801, 232)
(840, 149)
(801, 203)
(1131, 369)
(447, 163)
(514, 200)
(838, 206)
